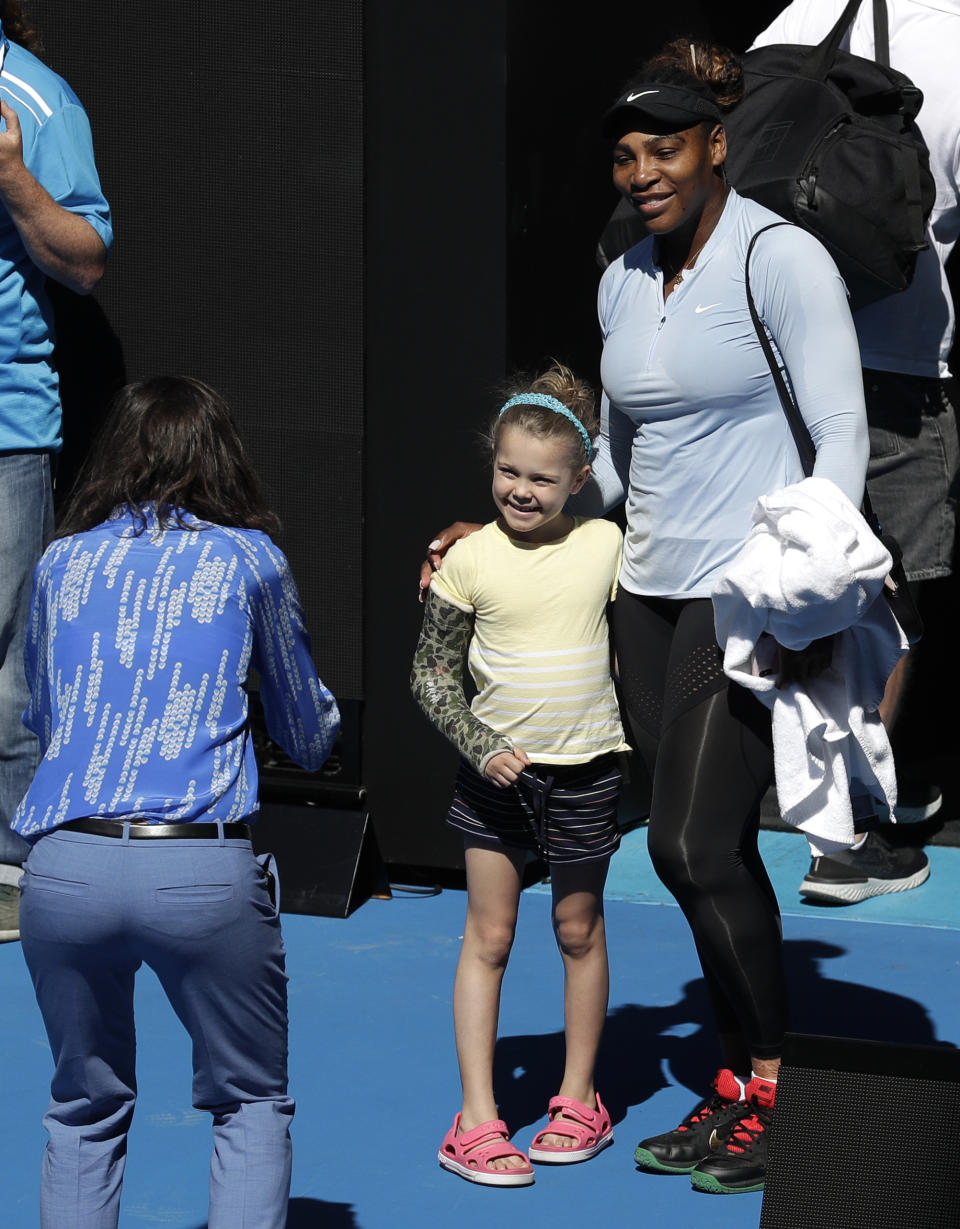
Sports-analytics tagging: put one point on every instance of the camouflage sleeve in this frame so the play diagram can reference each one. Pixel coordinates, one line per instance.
(437, 682)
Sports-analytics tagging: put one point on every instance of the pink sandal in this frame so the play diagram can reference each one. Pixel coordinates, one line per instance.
(469, 1154)
(591, 1131)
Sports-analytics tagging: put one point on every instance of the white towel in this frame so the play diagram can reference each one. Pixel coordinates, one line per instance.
(812, 567)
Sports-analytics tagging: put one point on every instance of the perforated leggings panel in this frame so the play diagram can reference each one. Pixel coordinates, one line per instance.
(706, 743)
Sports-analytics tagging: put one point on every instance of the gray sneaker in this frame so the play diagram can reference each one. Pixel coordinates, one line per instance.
(873, 870)
(9, 913)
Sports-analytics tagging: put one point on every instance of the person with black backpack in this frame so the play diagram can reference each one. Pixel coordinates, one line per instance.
(693, 435)
(905, 340)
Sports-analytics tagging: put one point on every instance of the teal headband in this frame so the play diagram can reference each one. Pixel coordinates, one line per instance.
(551, 403)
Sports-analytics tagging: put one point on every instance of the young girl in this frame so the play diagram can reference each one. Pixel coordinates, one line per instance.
(524, 601)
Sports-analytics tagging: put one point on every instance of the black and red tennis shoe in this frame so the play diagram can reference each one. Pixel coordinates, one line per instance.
(680, 1150)
(739, 1162)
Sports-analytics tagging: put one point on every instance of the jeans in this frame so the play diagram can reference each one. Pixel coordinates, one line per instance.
(26, 523)
(199, 913)
(914, 458)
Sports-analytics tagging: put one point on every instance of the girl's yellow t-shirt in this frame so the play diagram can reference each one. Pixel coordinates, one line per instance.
(540, 652)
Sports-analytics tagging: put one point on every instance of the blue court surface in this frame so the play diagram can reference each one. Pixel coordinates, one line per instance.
(374, 1071)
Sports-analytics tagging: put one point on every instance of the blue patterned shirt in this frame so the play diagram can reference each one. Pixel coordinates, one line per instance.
(137, 654)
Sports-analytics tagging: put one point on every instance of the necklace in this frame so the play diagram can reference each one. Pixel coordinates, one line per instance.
(677, 277)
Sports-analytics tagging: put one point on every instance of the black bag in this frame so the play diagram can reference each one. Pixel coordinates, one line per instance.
(827, 140)
(896, 587)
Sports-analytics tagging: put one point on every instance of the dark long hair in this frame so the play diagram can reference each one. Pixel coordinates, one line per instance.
(18, 27)
(170, 442)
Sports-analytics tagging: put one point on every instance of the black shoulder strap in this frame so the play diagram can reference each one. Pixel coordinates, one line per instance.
(798, 428)
(881, 33)
(820, 60)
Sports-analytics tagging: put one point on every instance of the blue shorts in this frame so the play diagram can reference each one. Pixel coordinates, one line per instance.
(566, 813)
(914, 458)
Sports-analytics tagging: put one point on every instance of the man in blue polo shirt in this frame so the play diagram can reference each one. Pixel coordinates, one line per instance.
(54, 222)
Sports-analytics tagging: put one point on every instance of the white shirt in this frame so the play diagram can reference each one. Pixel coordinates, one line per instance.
(910, 332)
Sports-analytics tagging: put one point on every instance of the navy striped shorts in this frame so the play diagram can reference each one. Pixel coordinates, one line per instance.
(565, 812)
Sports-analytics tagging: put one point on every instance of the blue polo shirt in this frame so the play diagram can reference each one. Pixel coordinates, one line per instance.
(58, 152)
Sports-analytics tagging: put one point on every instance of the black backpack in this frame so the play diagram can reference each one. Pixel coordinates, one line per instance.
(827, 140)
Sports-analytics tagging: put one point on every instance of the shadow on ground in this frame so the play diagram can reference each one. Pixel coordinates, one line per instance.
(645, 1049)
(317, 1214)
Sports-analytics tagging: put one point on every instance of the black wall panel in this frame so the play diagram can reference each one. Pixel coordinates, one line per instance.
(851, 1146)
(232, 155)
(353, 218)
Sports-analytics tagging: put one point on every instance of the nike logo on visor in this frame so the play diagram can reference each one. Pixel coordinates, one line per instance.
(642, 94)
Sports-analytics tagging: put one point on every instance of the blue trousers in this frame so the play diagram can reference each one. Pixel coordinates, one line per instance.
(26, 523)
(198, 912)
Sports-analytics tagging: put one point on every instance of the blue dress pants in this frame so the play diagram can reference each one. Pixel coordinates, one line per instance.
(198, 912)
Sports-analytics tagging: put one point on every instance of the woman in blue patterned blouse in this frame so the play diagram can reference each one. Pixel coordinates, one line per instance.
(161, 591)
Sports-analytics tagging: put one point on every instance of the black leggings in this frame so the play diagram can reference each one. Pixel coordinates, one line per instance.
(706, 743)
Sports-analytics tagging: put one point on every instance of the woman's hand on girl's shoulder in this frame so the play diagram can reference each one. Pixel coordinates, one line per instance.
(504, 767)
(439, 547)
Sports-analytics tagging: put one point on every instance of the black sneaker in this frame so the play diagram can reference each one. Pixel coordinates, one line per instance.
(872, 870)
(739, 1164)
(678, 1151)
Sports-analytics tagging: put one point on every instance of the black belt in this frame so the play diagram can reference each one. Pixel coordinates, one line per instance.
(139, 831)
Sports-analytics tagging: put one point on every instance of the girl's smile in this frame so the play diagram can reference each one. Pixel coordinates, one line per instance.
(532, 480)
